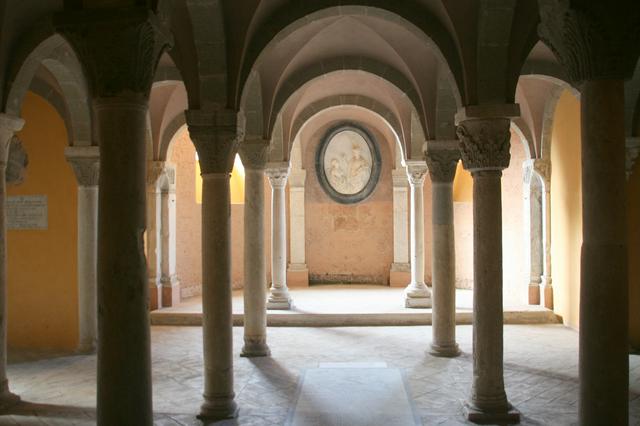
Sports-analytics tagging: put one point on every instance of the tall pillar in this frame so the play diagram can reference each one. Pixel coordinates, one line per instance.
(417, 295)
(400, 268)
(297, 272)
(168, 278)
(9, 125)
(442, 158)
(279, 297)
(254, 158)
(85, 162)
(598, 61)
(215, 136)
(543, 169)
(120, 107)
(484, 146)
(155, 170)
(533, 238)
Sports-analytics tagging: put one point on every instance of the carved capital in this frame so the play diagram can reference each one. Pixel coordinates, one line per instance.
(592, 39)
(85, 162)
(161, 173)
(215, 135)
(17, 162)
(416, 172)
(632, 148)
(119, 48)
(277, 174)
(254, 154)
(485, 143)
(442, 159)
(9, 125)
(543, 168)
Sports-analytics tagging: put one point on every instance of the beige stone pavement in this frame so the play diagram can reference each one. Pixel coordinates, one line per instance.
(540, 374)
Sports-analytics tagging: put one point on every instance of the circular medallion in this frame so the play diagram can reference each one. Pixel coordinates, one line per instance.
(348, 164)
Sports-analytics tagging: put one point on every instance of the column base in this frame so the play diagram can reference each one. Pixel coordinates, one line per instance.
(477, 415)
(534, 294)
(255, 348)
(218, 409)
(155, 297)
(8, 399)
(417, 295)
(87, 348)
(548, 297)
(170, 294)
(298, 275)
(279, 304)
(445, 351)
(399, 274)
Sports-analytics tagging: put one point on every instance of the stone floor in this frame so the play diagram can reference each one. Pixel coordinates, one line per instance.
(540, 374)
(354, 304)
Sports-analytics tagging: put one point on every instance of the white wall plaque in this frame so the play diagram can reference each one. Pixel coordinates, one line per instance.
(27, 212)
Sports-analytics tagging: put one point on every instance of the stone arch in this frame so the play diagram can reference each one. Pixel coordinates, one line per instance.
(411, 16)
(252, 108)
(398, 140)
(370, 104)
(56, 55)
(168, 137)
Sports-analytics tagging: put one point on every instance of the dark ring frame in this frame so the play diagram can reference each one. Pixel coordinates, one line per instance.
(368, 189)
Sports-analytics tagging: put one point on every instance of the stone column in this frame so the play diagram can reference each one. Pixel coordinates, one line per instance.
(120, 106)
(279, 297)
(168, 279)
(598, 61)
(215, 136)
(254, 157)
(9, 125)
(155, 169)
(85, 161)
(632, 151)
(543, 168)
(442, 159)
(484, 145)
(532, 208)
(400, 269)
(417, 295)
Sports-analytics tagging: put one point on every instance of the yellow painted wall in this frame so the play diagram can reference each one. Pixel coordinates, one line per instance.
(42, 264)
(462, 185)
(566, 208)
(633, 213)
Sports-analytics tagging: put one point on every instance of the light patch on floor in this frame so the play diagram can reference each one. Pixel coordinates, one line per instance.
(355, 394)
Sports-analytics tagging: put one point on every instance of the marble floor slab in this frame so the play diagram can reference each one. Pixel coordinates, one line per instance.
(354, 394)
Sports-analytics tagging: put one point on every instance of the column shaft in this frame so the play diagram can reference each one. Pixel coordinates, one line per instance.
(443, 271)
(154, 248)
(488, 385)
(169, 279)
(255, 282)
(124, 366)
(87, 267)
(216, 298)
(604, 361)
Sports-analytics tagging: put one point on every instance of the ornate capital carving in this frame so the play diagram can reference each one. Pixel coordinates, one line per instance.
(215, 135)
(9, 125)
(254, 154)
(632, 147)
(543, 168)
(17, 162)
(157, 171)
(442, 159)
(119, 48)
(485, 143)
(277, 174)
(416, 172)
(592, 39)
(85, 162)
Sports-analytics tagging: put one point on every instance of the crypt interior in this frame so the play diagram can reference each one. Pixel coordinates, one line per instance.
(366, 212)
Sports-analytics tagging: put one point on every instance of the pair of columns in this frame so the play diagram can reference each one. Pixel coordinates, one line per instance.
(164, 286)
